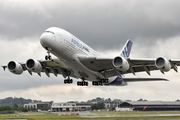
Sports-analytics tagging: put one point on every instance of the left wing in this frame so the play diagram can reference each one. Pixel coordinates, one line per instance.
(103, 64)
(162, 64)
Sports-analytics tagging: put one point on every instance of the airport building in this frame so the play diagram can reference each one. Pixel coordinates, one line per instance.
(149, 106)
(112, 104)
(38, 104)
(58, 107)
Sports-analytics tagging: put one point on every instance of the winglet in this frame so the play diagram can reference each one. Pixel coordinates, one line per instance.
(126, 49)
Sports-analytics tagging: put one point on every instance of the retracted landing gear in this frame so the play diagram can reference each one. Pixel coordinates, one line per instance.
(82, 83)
(48, 57)
(69, 81)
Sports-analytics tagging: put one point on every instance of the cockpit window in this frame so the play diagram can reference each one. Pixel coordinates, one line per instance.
(50, 32)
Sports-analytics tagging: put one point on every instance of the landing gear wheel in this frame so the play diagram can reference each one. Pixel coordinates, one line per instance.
(65, 81)
(49, 57)
(71, 81)
(46, 57)
(107, 81)
(97, 83)
(82, 83)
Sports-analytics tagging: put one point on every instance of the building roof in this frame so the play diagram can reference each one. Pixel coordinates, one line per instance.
(152, 103)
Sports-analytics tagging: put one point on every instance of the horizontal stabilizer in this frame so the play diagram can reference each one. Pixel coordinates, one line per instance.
(143, 79)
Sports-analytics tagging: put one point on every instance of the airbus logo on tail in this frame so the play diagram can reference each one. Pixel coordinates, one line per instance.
(127, 49)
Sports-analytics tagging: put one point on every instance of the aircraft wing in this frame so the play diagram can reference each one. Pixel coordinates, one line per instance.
(54, 66)
(96, 63)
(104, 64)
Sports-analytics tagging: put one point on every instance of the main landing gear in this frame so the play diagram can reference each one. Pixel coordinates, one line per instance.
(82, 83)
(69, 81)
(97, 83)
(48, 57)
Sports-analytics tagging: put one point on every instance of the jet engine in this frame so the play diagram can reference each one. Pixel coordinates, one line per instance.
(34, 65)
(120, 63)
(15, 67)
(163, 64)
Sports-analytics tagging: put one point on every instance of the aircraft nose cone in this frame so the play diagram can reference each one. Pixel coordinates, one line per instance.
(45, 39)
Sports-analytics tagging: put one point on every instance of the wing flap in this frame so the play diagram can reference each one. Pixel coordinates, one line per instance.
(56, 67)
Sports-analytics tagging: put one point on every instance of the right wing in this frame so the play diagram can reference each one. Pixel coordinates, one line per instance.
(54, 66)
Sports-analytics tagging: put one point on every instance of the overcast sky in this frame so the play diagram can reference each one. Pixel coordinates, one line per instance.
(152, 25)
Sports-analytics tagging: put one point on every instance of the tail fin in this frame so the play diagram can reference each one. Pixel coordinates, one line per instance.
(126, 49)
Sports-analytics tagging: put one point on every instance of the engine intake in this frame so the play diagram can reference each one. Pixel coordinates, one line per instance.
(120, 63)
(15, 67)
(34, 65)
(163, 64)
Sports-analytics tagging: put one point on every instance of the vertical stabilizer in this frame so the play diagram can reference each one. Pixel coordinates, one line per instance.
(126, 49)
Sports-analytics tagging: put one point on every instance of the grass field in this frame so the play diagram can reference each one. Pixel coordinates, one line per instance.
(98, 115)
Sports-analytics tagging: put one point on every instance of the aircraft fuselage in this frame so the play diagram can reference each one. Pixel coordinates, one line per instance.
(66, 47)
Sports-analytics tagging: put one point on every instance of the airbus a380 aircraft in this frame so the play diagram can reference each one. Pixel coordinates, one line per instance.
(76, 59)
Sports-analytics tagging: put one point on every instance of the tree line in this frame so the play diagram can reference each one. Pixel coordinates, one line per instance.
(10, 101)
(10, 109)
(97, 106)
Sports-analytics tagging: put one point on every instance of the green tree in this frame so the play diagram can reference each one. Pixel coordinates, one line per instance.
(10, 101)
(140, 99)
(99, 105)
(15, 106)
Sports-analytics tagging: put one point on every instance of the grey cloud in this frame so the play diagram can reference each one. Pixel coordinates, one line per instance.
(95, 23)
(25, 81)
(103, 26)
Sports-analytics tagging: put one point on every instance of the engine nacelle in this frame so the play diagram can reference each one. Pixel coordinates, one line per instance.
(163, 64)
(120, 63)
(34, 65)
(15, 67)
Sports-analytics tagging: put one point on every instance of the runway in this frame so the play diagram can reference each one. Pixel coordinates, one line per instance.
(80, 113)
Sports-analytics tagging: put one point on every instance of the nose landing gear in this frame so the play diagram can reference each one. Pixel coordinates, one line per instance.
(48, 57)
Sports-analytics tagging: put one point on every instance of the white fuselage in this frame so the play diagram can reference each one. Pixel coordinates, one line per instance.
(67, 47)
